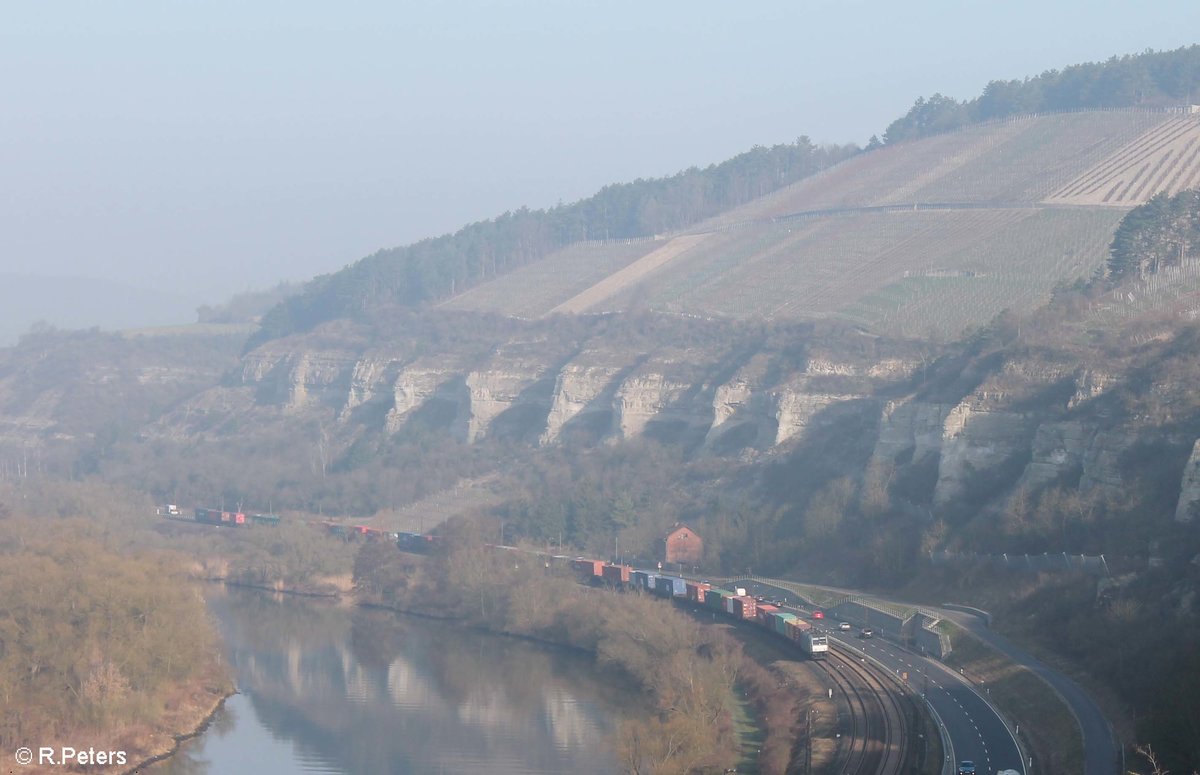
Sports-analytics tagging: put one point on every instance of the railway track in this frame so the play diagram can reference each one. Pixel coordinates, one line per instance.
(876, 740)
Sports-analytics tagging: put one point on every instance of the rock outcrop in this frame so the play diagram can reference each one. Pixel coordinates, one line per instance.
(585, 386)
(973, 429)
(660, 391)
(420, 382)
(910, 430)
(1057, 454)
(1189, 492)
(512, 380)
(979, 443)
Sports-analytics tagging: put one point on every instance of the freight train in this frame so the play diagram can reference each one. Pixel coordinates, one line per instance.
(735, 604)
(218, 516)
(224, 518)
(235, 518)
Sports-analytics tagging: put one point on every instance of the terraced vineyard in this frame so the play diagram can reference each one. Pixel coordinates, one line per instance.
(924, 238)
(1165, 158)
(1041, 157)
(817, 268)
(1174, 289)
(1019, 161)
(1015, 268)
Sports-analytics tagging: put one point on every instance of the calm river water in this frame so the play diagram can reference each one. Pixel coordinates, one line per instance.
(334, 689)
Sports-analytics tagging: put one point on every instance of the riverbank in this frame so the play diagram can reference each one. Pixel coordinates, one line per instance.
(193, 716)
(133, 747)
(106, 660)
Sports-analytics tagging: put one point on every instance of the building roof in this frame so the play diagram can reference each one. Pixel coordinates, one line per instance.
(680, 526)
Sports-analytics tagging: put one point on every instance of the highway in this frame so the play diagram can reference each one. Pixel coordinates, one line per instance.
(1100, 748)
(974, 728)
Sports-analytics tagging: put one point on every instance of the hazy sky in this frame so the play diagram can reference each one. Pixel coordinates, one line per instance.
(203, 148)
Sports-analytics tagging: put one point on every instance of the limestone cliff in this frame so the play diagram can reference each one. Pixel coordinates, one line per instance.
(583, 390)
(511, 384)
(1057, 454)
(977, 443)
(298, 380)
(432, 378)
(664, 391)
(911, 430)
(371, 382)
(978, 428)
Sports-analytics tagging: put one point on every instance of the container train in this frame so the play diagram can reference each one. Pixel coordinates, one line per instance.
(732, 603)
(735, 604)
(221, 517)
(217, 516)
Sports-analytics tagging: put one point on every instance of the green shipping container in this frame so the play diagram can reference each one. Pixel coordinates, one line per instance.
(780, 622)
(715, 598)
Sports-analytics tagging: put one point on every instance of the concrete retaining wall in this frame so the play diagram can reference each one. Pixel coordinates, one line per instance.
(885, 624)
(928, 640)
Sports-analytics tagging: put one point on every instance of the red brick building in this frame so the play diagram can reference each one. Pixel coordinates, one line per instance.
(682, 545)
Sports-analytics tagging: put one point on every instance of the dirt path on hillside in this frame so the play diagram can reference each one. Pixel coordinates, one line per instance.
(630, 275)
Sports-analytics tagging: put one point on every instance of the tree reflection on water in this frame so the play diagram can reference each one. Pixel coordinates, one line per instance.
(357, 690)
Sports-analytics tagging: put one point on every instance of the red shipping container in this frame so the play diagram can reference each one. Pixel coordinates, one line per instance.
(763, 613)
(588, 567)
(616, 574)
(744, 607)
(695, 592)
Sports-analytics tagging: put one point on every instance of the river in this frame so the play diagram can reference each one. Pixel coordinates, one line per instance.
(337, 689)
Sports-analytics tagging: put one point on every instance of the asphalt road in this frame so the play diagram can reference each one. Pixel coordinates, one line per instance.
(1102, 752)
(975, 730)
(1099, 745)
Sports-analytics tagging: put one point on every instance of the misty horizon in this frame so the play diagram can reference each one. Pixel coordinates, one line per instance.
(196, 153)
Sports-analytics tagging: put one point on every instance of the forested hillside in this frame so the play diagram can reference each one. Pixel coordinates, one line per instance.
(1151, 79)
(1160, 234)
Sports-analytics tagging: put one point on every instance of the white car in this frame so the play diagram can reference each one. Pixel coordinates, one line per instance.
(844, 626)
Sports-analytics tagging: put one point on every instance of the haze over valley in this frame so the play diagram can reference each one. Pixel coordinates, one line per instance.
(454, 344)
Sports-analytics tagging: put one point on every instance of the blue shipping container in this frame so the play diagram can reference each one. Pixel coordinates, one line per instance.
(671, 586)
